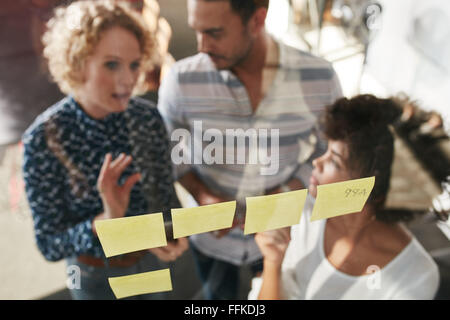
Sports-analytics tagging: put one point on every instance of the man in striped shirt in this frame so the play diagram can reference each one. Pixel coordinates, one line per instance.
(242, 83)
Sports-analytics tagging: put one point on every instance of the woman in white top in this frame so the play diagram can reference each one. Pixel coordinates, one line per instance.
(365, 255)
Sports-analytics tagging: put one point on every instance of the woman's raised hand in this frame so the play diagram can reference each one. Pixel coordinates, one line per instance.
(273, 244)
(115, 197)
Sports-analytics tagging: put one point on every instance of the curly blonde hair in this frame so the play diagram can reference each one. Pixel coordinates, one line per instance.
(74, 32)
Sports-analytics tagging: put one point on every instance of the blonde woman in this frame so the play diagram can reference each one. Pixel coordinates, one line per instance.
(99, 153)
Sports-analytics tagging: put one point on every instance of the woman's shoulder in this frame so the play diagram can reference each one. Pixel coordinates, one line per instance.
(421, 256)
(416, 271)
(54, 114)
(414, 258)
(143, 108)
(144, 112)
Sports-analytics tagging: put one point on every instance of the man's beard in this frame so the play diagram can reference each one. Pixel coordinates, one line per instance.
(237, 59)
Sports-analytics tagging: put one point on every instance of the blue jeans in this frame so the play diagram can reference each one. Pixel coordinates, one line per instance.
(94, 283)
(220, 279)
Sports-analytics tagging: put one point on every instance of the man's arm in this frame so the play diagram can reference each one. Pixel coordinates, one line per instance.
(291, 185)
(198, 190)
(171, 111)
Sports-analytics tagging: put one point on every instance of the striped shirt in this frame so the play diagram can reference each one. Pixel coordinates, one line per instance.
(197, 97)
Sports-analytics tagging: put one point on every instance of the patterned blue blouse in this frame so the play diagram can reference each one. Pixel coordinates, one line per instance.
(64, 150)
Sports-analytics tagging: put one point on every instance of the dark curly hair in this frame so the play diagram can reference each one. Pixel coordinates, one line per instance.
(246, 8)
(363, 123)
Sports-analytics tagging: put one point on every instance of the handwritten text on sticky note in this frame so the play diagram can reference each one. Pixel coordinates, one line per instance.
(341, 198)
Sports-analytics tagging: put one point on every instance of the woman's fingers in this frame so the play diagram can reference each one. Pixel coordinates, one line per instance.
(122, 165)
(108, 165)
(118, 166)
(115, 197)
(275, 237)
(273, 244)
(112, 169)
(282, 235)
(285, 234)
(131, 181)
(103, 170)
(117, 160)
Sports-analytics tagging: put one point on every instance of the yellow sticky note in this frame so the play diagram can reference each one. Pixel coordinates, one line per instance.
(123, 235)
(336, 199)
(189, 221)
(274, 211)
(141, 283)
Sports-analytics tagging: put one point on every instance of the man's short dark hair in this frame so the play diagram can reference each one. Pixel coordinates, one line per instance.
(246, 8)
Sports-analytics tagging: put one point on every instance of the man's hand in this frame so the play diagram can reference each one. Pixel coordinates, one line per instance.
(293, 184)
(172, 251)
(220, 233)
(204, 197)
